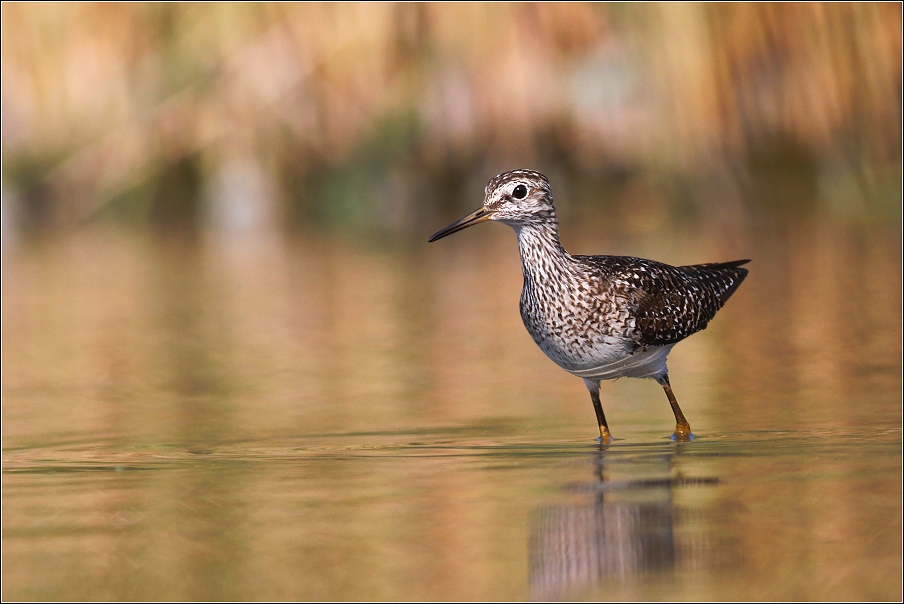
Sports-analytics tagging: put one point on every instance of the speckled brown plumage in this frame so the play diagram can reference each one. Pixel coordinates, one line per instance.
(669, 303)
(600, 317)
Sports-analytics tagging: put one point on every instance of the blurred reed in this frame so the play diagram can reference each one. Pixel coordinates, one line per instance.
(250, 118)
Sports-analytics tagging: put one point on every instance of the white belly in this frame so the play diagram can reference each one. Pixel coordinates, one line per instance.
(607, 359)
(644, 363)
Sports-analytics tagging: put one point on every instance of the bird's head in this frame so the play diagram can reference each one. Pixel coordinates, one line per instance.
(515, 198)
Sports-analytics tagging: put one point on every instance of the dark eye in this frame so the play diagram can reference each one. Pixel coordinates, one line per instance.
(520, 192)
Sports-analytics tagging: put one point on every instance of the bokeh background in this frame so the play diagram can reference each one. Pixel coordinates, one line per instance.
(388, 116)
(233, 368)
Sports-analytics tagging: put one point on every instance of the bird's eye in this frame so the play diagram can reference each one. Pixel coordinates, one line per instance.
(520, 192)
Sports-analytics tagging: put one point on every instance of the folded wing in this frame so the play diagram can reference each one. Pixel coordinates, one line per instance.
(669, 303)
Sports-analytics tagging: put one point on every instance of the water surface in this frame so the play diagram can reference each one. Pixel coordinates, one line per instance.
(316, 418)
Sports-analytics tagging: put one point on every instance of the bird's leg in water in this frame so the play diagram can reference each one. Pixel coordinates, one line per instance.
(594, 387)
(682, 428)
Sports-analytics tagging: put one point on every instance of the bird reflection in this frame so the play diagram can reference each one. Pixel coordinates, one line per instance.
(628, 527)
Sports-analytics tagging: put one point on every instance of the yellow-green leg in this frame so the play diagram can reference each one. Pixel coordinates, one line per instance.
(682, 428)
(594, 388)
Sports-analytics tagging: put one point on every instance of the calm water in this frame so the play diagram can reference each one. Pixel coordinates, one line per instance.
(317, 419)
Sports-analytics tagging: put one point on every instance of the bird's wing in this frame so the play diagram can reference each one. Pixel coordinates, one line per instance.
(670, 303)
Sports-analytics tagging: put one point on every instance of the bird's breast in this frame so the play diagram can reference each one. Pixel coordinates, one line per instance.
(577, 329)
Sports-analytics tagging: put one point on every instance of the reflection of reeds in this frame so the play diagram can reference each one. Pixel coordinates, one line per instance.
(382, 114)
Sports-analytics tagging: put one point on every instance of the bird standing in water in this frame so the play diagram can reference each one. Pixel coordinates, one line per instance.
(600, 317)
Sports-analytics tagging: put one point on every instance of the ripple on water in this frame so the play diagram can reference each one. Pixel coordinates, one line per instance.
(110, 455)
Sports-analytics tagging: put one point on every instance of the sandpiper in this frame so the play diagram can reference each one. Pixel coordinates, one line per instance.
(600, 317)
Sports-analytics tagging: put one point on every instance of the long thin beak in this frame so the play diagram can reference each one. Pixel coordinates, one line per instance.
(471, 219)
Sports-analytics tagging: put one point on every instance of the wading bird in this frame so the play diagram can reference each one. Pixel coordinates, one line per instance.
(600, 317)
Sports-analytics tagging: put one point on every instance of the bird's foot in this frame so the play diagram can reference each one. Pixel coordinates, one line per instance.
(604, 438)
(682, 434)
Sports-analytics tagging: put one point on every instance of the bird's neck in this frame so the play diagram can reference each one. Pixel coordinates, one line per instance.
(542, 254)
